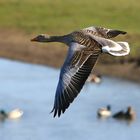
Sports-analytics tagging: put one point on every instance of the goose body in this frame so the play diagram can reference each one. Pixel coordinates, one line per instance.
(104, 112)
(84, 48)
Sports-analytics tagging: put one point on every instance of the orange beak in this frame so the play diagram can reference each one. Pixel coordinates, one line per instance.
(34, 39)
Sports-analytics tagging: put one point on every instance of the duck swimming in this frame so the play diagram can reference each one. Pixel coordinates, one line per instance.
(14, 114)
(128, 115)
(104, 112)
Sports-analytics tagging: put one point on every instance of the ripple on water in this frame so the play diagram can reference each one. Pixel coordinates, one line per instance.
(32, 88)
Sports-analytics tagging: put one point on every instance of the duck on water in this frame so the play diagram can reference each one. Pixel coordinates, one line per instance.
(14, 114)
(104, 112)
(85, 46)
(128, 115)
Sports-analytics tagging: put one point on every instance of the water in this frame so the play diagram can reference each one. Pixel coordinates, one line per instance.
(32, 88)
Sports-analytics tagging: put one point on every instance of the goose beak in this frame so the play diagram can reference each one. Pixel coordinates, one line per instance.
(34, 39)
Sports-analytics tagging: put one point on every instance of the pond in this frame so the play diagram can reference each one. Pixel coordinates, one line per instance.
(32, 88)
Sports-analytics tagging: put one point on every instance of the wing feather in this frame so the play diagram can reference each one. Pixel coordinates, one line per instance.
(103, 32)
(73, 76)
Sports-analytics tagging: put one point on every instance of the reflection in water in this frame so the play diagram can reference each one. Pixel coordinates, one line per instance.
(32, 88)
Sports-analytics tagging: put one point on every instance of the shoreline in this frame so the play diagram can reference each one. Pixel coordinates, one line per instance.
(129, 71)
(20, 48)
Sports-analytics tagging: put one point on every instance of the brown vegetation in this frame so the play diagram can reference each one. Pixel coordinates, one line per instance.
(19, 47)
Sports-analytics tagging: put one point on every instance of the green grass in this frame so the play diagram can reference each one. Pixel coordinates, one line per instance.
(62, 16)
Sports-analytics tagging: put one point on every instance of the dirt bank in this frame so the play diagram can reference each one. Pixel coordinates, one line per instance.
(16, 45)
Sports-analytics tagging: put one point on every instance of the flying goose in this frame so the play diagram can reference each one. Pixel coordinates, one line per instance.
(84, 48)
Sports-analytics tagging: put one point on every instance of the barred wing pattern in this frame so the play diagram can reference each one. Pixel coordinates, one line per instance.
(73, 75)
(103, 32)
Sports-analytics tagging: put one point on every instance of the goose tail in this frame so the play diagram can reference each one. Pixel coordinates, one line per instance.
(121, 49)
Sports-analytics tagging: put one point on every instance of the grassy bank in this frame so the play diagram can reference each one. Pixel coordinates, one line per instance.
(20, 48)
(63, 16)
(23, 19)
(66, 15)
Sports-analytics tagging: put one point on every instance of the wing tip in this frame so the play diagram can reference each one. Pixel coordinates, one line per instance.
(114, 33)
(123, 32)
(57, 112)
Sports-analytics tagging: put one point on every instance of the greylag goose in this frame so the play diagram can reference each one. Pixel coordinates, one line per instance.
(104, 112)
(128, 115)
(84, 48)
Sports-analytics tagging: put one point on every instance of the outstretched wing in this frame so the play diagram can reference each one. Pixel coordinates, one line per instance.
(75, 71)
(103, 32)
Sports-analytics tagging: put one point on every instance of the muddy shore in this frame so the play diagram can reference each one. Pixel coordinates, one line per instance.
(20, 48)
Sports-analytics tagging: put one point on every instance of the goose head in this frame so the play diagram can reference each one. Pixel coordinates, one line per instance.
(41, 38)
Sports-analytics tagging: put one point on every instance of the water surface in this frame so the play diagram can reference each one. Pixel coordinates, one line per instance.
(32, 88)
